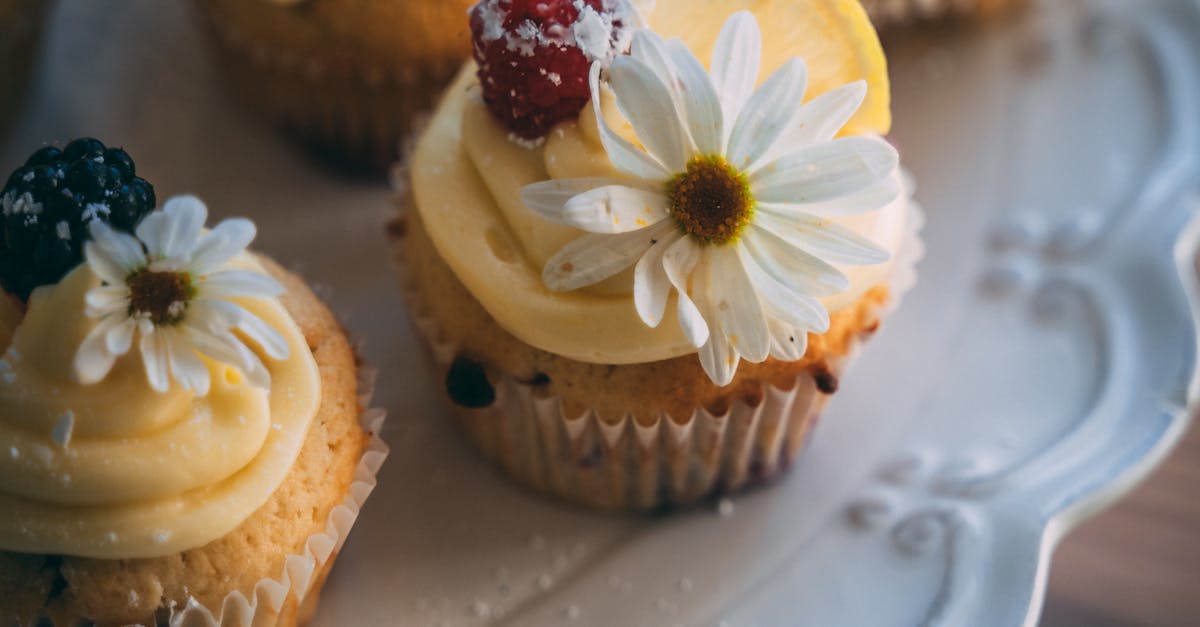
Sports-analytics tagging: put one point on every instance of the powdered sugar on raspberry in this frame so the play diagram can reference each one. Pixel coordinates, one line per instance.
(594, 32)
(534, 56)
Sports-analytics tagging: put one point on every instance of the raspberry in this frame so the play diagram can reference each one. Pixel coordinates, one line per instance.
(534, 56)
(47, 204)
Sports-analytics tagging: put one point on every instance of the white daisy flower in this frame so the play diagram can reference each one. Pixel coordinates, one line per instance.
(167, 288)
(729, 202)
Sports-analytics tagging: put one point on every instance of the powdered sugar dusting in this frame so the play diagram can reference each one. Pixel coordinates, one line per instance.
(528, 144)
(601, 35)
(493, 20)
(14, 204)
(592, 34)
(95, 211)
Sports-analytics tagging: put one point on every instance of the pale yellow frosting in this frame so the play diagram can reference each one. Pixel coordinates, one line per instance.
(117, 470)
(467, 177)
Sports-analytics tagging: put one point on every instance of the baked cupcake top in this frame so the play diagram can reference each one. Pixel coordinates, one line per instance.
(624, 203)
(153, 391)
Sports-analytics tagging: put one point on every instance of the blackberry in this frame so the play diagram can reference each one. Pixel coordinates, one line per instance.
(47, 203)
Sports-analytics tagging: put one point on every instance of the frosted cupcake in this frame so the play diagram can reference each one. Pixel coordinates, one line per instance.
(349, 77)
(180, 431)
(641, 279)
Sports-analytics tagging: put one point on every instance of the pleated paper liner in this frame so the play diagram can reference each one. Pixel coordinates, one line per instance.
(631, 465)
(291, 598)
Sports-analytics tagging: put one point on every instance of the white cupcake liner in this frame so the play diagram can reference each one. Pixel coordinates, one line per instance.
(584, 459)
(294, 590)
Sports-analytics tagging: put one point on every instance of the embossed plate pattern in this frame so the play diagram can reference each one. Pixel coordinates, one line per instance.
(1043, 365)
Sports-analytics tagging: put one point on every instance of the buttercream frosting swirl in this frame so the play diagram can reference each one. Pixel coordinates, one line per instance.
(119, 470)
(467, 179)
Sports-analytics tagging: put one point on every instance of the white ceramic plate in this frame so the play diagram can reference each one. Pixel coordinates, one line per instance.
(1042, 366)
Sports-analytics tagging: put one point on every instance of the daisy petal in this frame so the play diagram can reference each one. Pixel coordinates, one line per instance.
(155, 359)
(547, 198)
(735, 303)
(615, 209)
(224, 242)
(823, 238)
(767, 114)
(263, 334)
(781, 301)
(735, 62)
(717, 356)
(791, 266)
(595, 257)
(825, 171)
(106, 299)
(93, 361)
(875, 197)
(646, 103)
(238, 283)
(787, 343)
(699, 100)
(222, 315)
(119, 339)
(624, 156)
(651, 286)
(649, 48)
(186, 367)
(719, 360)
(112, 255)
(172, 233)
(680, 262)
(224, 347)
(820, 119)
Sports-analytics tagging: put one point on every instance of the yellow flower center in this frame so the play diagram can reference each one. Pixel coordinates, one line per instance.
(161, 296)
(710, 200)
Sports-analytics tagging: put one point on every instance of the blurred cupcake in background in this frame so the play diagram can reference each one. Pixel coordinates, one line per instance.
(21, 26)
(347, 77)
(885, 13)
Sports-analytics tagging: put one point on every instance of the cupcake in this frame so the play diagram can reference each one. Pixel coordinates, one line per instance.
(181, 434)
(894, 12)
(349, 77)
(21, 23)
(641, 280)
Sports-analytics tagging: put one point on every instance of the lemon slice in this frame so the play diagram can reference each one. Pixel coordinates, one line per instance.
(834, 37)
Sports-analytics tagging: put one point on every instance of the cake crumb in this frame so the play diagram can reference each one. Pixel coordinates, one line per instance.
(725, 508)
